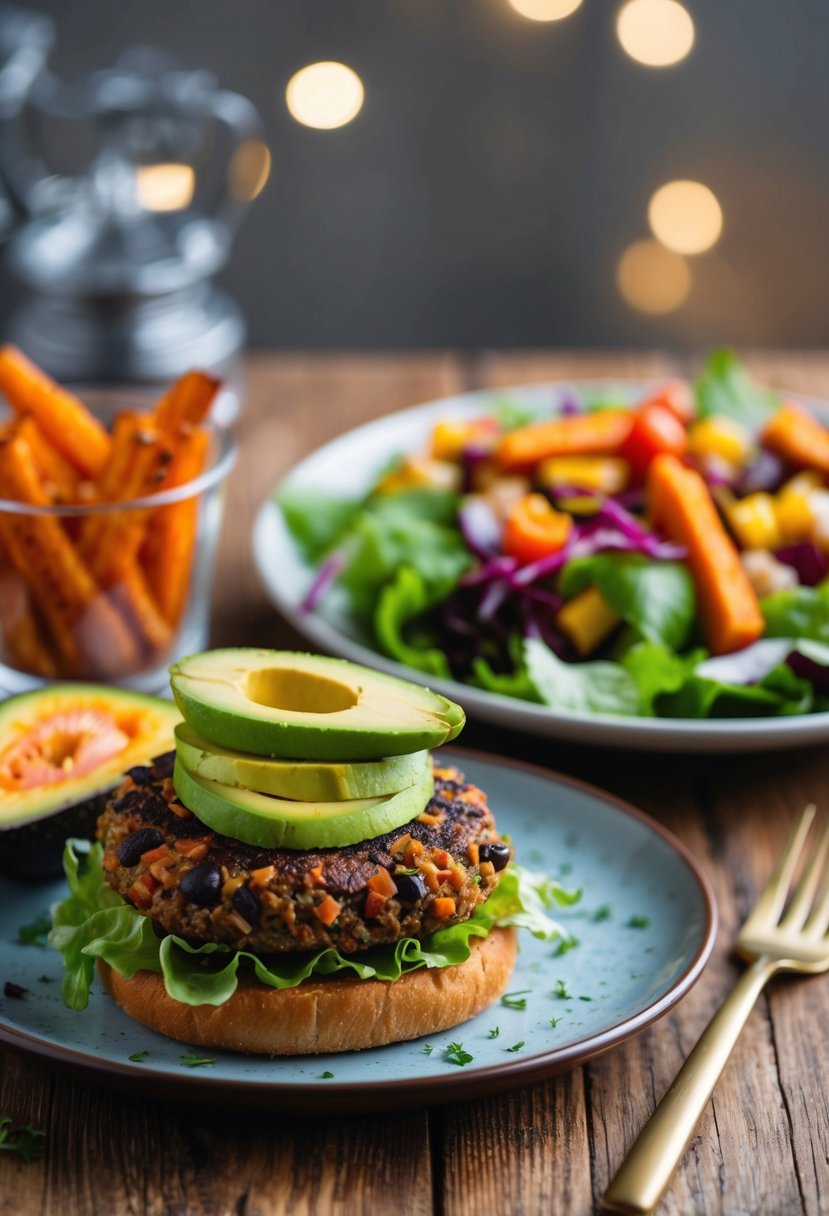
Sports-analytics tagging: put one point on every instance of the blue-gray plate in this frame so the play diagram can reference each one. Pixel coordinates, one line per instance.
(645, 926)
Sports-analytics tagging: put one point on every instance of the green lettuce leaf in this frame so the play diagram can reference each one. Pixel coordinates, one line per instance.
(89, 925)
(655, 598)
(316, 520)
(402, 601)
(595, 687)
(725, 387)
(657, 671)
(802, 612)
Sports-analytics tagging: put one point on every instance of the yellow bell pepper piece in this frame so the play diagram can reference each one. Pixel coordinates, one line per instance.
(793, 507)
(723, 437)
(451, 436)
(417, 473)
(753, 521)
(587, 619)
(607, 474)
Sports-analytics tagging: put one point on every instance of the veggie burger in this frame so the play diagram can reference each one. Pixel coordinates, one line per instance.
(300, 875)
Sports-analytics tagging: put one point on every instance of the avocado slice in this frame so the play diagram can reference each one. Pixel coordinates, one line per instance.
(301, 780)
(273, 823)
(308, 707)
(62, 750)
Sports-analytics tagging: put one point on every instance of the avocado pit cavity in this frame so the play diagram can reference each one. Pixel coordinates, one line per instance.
(304, 692)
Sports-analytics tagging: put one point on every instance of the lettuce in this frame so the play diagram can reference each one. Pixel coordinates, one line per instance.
(725, 387)
(401, 602)
(316, 520)
(93, 922)
(802, 612)
(655, 597)
(597, 687)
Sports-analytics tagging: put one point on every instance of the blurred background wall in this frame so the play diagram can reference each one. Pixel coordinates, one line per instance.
(500, 168)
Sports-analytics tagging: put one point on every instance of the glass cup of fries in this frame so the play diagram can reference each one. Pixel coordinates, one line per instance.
(108, 536)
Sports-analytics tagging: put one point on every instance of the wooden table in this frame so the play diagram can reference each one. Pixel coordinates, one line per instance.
(763, 1145)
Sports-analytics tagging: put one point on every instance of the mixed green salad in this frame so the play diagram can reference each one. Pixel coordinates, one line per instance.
(662, 558)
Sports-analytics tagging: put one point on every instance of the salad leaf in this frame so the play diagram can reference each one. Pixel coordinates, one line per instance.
(779, 692)
(656, 670)
(656, 598)
(402, 600)
(93, 927)
(511, 415)
(724, 387)
(802, 612)
(595, 687)
(516, 683)
(316, 520)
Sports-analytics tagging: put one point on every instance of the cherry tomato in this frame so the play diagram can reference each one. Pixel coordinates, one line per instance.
(655, 430)
(678, 397)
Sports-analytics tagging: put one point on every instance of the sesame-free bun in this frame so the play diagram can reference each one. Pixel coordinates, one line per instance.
(324, 1015)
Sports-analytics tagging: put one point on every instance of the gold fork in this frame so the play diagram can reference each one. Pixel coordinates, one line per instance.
(773, 940)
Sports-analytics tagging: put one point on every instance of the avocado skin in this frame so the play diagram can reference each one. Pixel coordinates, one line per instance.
(34, 850)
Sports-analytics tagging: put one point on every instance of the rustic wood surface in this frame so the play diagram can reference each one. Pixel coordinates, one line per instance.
(763, 1144)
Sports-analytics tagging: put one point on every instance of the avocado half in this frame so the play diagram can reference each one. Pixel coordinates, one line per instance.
(62, 750)
(308, 707)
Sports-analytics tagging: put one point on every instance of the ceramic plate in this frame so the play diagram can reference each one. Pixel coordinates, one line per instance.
(645, 924)
(351, 464)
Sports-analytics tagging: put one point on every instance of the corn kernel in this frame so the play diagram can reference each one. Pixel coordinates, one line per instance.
(587, 619)
(753, 521)
(451, 436)
(721, 436)
(606, 474)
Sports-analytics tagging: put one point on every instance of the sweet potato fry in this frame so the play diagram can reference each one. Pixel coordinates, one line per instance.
(599, 434)
(186, 401)
(167, 554)
(21, 643)
(134, 600)
(88, 633)
(65, 420)
(680, 503)
(59, 477)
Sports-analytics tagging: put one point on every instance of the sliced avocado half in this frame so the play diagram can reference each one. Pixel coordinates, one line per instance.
(62, 749)
(301, 780)
(273, 823)
(308, 707)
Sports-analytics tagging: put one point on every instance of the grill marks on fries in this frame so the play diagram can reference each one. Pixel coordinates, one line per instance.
(100, 594)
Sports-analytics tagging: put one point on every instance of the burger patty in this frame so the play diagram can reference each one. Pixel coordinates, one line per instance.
(203, 886)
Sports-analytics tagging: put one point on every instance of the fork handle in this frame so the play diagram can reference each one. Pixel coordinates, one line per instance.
(646, 1171)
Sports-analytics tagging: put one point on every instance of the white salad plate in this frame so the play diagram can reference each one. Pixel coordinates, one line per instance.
(645, 924)
(349, 466)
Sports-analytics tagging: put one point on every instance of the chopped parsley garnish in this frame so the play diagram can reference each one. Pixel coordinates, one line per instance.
(562, 991)
(455, 1054)
(515, 1046)
(602, 913)
(194, 1061)
(326, 1076)
(536, 857)
(27, 1140)
(585, 998)
(554, 1022)
(493, 1034)
(638, 922)
(476, 878)
(428, 1049)
(138, 1057)
(566, 943)
(515, 1000)
(35, 934)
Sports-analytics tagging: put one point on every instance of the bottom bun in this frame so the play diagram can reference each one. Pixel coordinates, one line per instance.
(324, 1015)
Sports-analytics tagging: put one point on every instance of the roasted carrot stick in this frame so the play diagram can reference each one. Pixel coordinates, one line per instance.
(133, 598)
(186, 401)
(20, 637)
(596, 434)
(167, 555)
(65, 420)
(681, 505)
(798, 437)
(60, 478)
(89, 635)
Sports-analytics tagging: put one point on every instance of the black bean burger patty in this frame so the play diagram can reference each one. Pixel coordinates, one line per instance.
(428, 875)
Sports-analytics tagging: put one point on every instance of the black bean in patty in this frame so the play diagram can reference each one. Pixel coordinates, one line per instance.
(202, 885)
(129, 851)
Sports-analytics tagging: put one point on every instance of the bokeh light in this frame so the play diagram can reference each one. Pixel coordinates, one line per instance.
(657, 33)
(250, 169)
(164, 187)
(653, 279)
(685, 216)
(545, 10)
(325, 95)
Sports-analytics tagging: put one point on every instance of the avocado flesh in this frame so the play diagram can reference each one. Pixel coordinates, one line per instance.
(272, 823)
(303, 781)
(35, 821)
(308, 707)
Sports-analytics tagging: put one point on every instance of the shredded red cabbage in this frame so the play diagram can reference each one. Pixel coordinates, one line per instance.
(479, 528)
(325, 576)
(809, 562)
